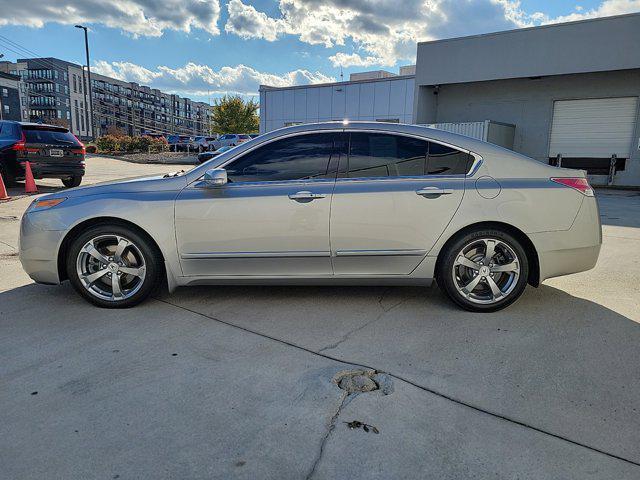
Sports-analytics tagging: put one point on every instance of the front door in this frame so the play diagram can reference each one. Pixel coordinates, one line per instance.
(394, 197)
(271, 219)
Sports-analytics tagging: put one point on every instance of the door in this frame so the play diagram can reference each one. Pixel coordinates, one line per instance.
(393, 198)
(270, 219)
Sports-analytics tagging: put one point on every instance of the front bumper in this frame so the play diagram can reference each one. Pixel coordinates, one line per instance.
(38, 250)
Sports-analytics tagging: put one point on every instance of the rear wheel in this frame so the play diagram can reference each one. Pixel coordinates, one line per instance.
(8, 179)
(71, 182)
(484, 270)
(113, 266)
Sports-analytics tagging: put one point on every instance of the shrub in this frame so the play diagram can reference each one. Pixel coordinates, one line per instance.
(108, 143)
(91, 149)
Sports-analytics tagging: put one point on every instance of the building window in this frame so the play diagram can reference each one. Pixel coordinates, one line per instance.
(75, 83)
(6, 108)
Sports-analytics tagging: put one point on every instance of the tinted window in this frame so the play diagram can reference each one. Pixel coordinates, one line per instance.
(382, 155)
(41, 135)
(296, 158)
(244, 137)
(447, 161)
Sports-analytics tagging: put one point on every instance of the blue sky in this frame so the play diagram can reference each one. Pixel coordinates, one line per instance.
(200, 46)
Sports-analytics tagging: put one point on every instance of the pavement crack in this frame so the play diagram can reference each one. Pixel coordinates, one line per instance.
(430, 390)
(332, 425)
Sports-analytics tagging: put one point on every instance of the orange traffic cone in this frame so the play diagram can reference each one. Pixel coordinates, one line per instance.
(29, 182)
(3, 190)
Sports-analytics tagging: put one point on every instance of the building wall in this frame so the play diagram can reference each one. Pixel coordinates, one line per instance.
(388, 99)
(10, 108)
(528, 104)
(596, 45)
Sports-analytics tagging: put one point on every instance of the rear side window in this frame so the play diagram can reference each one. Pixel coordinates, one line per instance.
(445, 160)
(296, 158)
(383, 155)
(41, 135)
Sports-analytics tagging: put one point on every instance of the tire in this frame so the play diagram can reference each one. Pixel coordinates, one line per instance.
(71, 182)
(8, 179)
(140, 257)
(477, 284)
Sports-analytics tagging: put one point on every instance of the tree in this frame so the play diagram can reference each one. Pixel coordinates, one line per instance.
(232, 114)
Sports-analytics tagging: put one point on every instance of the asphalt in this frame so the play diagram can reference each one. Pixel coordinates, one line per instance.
(237, 382)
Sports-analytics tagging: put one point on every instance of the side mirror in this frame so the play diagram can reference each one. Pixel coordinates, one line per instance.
(216, 177)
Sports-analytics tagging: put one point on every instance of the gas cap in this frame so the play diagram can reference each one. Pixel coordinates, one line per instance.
(488, 187)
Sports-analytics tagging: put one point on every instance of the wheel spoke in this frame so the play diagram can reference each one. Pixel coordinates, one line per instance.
(509, 267)
(123, 243)
(115, 286)
(495, 289)
(91, 278)
(93, 251)
(135, 271)
(467, 262)
(468, 288)
(490, 251)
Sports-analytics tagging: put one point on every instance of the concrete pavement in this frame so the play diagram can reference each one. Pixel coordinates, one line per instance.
(236, 382)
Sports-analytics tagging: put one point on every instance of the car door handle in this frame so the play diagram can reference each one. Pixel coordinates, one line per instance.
(301, 196)
(426, 191)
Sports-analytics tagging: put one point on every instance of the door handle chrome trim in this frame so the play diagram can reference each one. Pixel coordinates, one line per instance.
(305, 195)
(434, 191)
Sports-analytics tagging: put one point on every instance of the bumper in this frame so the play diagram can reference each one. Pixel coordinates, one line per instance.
(52, 170)
(38, 250)
(574, 250)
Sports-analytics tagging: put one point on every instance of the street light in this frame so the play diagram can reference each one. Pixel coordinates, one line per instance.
(86, 47)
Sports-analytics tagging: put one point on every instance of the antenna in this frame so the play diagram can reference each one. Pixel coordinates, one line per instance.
(341, 74)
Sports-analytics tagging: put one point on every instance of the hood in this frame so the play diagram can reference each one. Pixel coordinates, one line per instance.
(153, 183)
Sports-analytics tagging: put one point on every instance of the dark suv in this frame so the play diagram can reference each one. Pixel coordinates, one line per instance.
(53, 152)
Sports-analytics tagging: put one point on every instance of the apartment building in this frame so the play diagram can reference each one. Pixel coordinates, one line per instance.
(10, 97)
(56, 91)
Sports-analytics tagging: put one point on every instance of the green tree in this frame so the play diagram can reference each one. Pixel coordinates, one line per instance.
(232, 114)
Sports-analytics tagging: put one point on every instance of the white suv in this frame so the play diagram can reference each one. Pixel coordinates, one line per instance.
(230, 140)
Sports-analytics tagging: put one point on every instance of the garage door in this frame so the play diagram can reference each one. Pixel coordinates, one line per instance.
(594, 128)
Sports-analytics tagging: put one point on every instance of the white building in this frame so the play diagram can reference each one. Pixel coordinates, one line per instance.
(386, 99)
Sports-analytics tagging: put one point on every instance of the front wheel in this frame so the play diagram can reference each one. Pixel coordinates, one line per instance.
(484, 270)
(71, 182)
(113, 266)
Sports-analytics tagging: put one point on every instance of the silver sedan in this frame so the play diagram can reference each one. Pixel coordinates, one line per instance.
(328, 203)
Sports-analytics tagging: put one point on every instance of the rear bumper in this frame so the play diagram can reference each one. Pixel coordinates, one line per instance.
(53, 170)
(574, 250)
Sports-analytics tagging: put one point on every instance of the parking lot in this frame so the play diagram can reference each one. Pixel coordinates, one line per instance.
(238, 382)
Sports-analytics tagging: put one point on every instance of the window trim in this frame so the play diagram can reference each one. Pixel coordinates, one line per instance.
(475, 166)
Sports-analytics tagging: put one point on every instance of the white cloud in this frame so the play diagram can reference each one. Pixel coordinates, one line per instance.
(606, 9)
(137, 17)
(386, 31)
(197, 79)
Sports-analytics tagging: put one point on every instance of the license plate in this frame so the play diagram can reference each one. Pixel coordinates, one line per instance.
(56, 153)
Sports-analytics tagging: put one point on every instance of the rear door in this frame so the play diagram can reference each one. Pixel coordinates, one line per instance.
(393, 198)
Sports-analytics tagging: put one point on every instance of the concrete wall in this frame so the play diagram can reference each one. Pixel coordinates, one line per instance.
(528, 104)
(597, 45)
(386, 99)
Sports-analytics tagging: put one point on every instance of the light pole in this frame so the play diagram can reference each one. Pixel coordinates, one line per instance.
(86, 47)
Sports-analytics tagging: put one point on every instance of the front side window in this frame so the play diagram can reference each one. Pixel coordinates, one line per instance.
(303, 157)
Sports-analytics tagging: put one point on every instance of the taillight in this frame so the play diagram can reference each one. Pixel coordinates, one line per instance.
(578, 183)
(82, 150)
(20, 146)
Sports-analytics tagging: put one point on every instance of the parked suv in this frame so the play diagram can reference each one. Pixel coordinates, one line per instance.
(231, 140)
(53, 152)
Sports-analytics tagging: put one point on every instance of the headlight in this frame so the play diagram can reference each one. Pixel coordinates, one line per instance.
(47, 203)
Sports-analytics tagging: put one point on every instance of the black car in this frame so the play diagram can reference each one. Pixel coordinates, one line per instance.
(53, 152)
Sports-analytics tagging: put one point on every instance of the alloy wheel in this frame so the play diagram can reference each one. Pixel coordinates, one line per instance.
(486, 271)
(111, 267)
